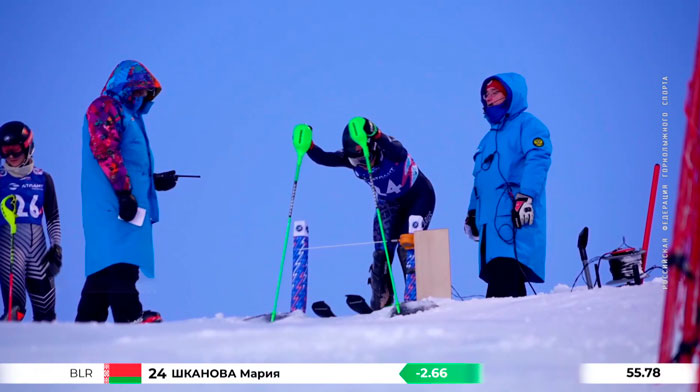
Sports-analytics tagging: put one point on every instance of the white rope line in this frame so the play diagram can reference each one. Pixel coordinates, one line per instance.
(345, 245)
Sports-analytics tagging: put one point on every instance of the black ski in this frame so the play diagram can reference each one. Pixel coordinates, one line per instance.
(358, 304)
(322, 309)
(267, 317)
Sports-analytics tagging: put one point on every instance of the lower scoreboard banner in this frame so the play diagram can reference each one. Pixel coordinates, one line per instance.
(638, 373)
(240, 373)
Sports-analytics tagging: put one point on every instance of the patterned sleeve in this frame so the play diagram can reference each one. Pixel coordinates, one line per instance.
(105, 126)
(53, 221)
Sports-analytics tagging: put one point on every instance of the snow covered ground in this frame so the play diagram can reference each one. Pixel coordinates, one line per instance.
(527, 344)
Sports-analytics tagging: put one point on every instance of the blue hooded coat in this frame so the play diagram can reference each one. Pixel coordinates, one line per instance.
(109, 240)
(513, 157)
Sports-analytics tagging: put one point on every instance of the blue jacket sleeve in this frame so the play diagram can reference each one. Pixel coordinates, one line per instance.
(472, 200)
(333, 159)
(537, 148)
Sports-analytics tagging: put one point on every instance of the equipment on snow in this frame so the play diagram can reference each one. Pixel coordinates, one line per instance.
(267, 317)
(433, 265)
(625, 265)
(149, 316)
(650, 214)
(300, 266)
(582, 243)
(407, 241)
(358, 304)
(10, 215)
(302, 141)
(322, 309)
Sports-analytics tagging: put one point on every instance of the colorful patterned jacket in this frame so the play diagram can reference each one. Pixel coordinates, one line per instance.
(105, 119)
(117, 156)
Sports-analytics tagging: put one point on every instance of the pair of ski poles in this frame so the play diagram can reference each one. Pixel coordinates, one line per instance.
(302, 143)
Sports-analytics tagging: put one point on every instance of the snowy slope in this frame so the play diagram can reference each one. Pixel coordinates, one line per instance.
(528, 344)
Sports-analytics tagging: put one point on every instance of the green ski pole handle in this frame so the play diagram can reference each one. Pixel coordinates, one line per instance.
(302, 142)
(359, 136)
(10, 215)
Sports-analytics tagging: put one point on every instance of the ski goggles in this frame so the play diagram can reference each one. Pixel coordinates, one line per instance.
(13, 151)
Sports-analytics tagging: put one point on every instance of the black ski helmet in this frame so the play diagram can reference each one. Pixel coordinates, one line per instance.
(16, 133)
(352, 149)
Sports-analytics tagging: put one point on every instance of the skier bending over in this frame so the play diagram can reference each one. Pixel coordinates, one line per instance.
(506, 211)
(33, 266)
(402, 189)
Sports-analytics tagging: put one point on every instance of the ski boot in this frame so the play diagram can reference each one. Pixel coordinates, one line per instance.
(15, 315)
(380, 282)
(148, 316)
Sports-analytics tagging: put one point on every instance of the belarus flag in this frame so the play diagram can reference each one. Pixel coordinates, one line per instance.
(122, 373)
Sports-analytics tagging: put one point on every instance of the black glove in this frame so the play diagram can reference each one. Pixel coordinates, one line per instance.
(54, 259)
(165, 181)
(470, 225)
(127, 205)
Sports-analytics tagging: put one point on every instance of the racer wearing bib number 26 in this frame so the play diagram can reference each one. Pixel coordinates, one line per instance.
(402, 190)
(33, 266)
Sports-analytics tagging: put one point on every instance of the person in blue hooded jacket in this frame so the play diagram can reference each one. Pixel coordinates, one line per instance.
(507, 213)
(119, 196)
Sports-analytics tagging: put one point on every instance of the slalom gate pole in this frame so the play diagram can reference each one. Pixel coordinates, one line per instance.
(650, 217)
(683, 263)
(302, 142)
(300, 266)
(407, 241)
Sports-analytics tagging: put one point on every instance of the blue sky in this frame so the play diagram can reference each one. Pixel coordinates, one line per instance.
(237, 76)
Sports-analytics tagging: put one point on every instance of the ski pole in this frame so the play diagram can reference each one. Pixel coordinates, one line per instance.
(358, 134)
(187, 176)
(302, 142)
(582, 243)
(10, 216)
